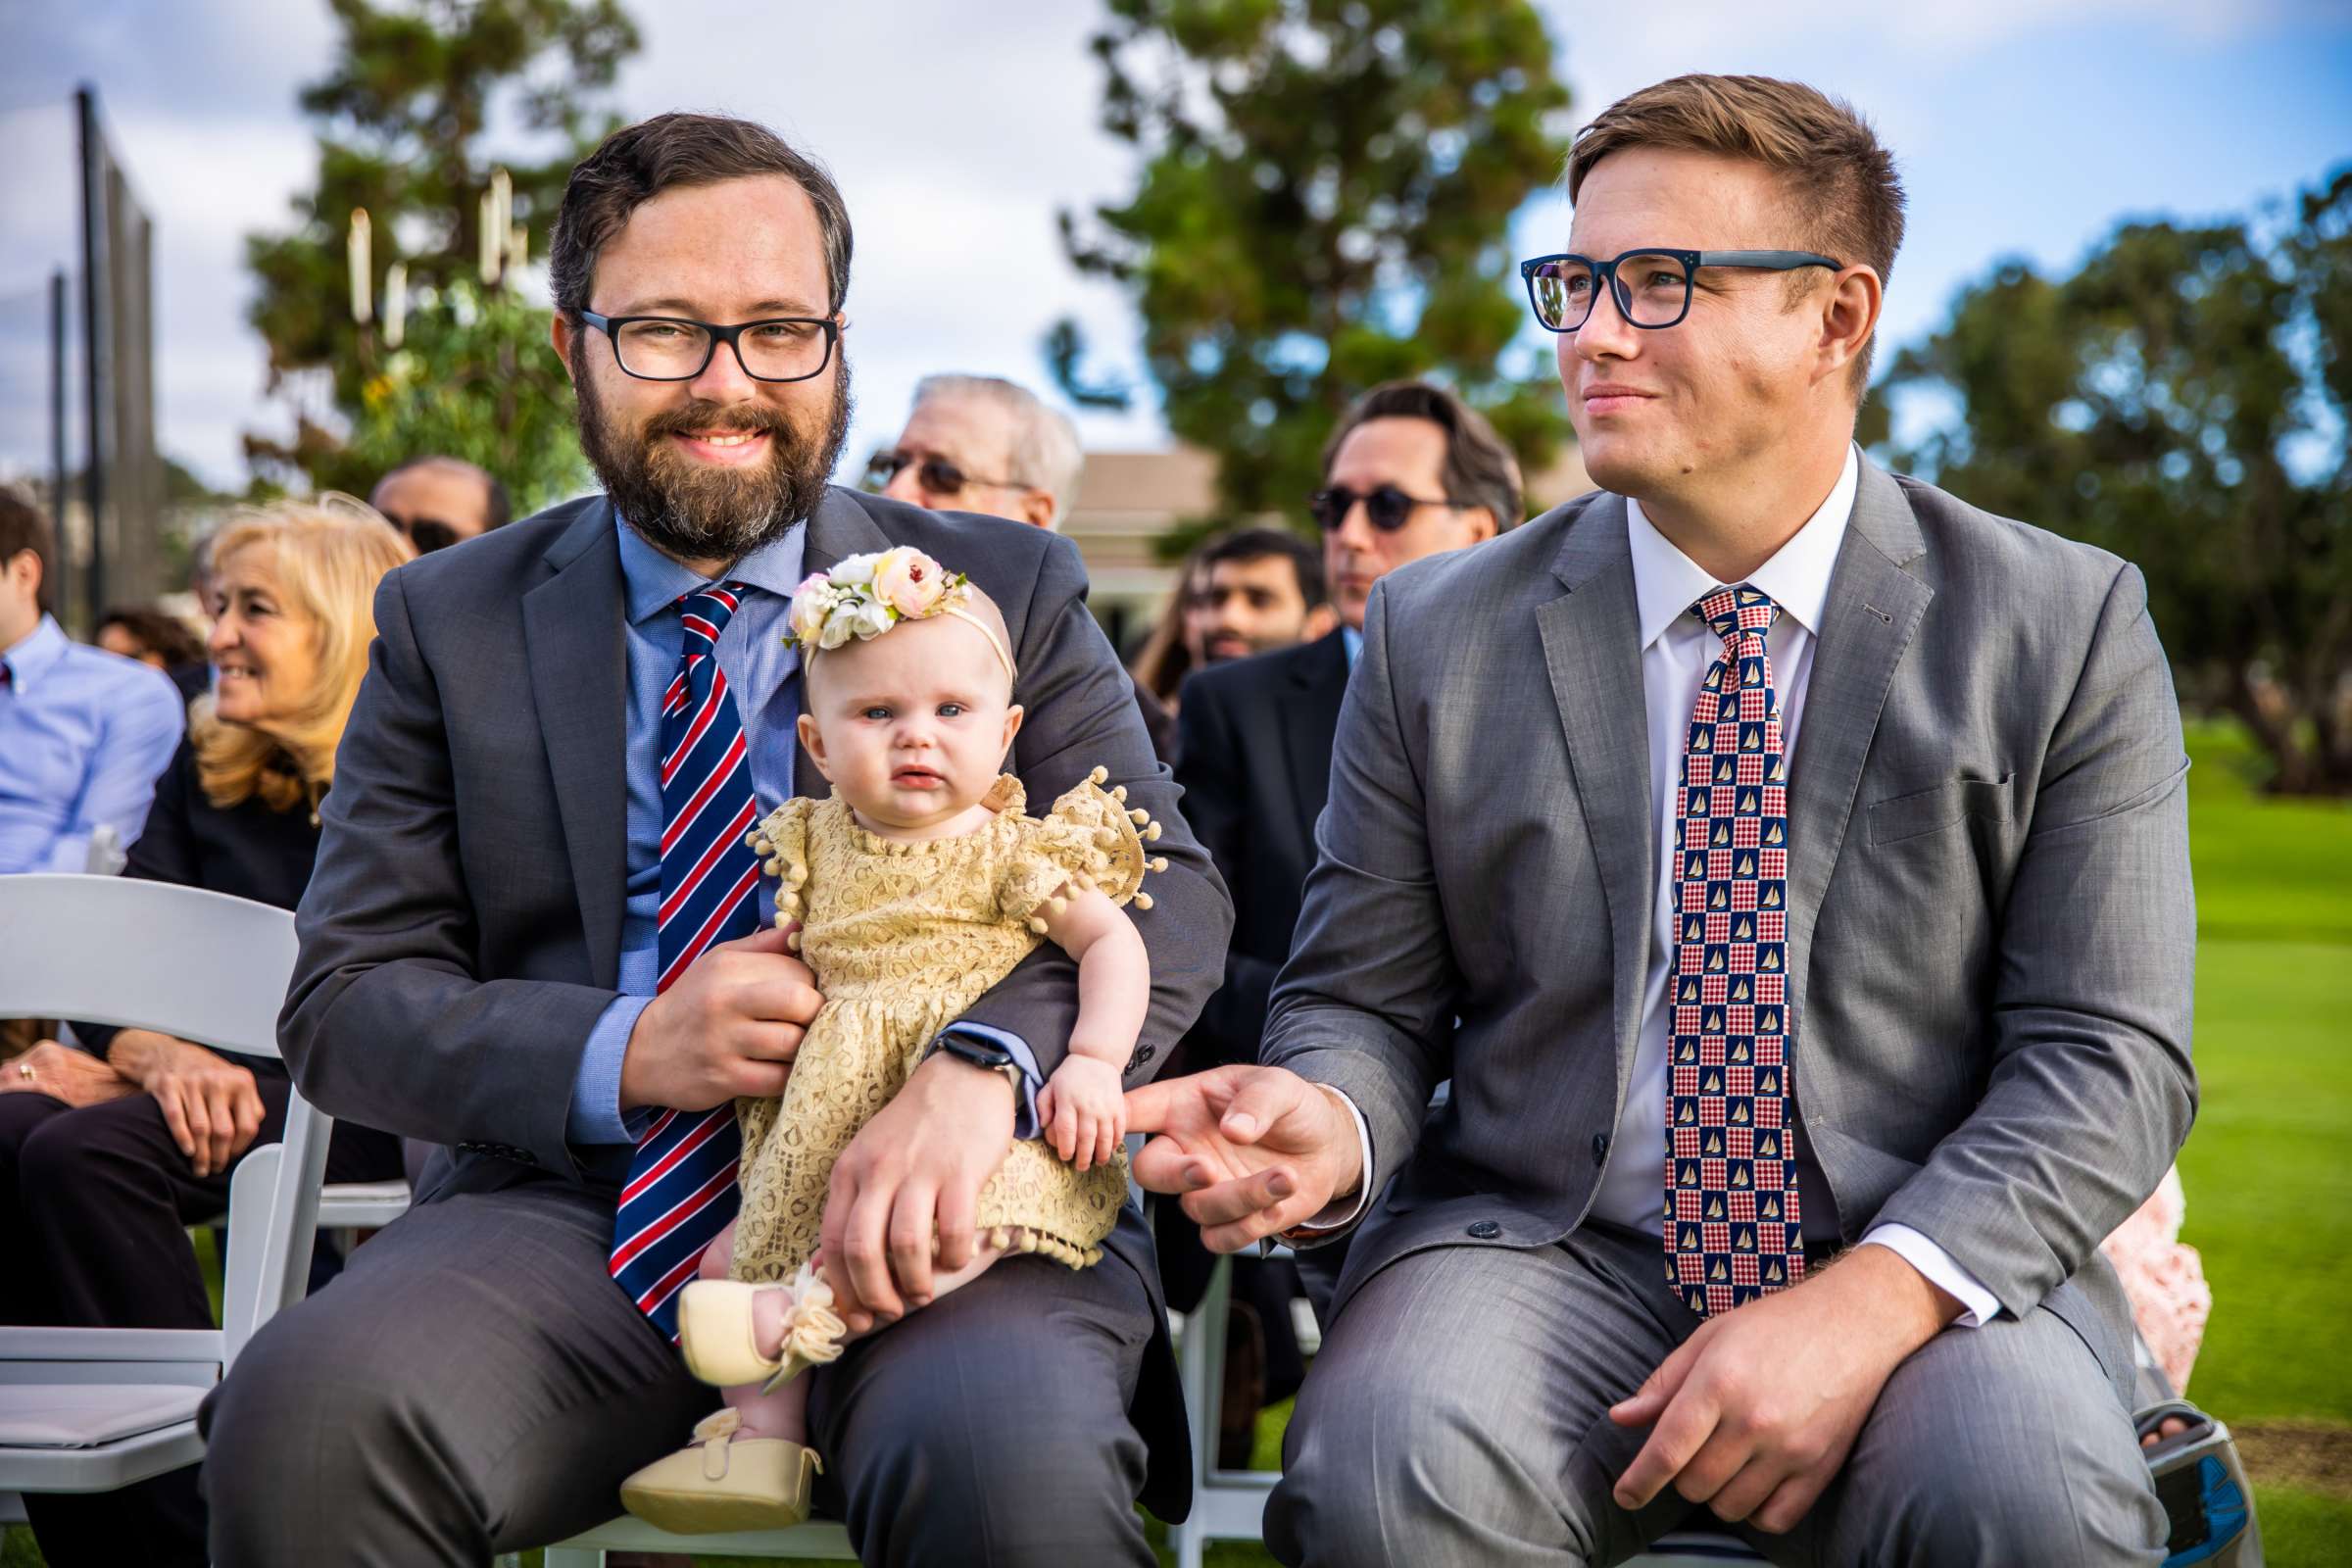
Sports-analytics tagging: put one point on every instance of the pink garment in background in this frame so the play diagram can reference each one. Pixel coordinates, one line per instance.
(2164, 1280)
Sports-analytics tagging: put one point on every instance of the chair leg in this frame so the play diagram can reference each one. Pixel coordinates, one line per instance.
(1200, 1370)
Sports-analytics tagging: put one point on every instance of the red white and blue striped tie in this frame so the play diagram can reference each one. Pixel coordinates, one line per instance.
(682, 1188)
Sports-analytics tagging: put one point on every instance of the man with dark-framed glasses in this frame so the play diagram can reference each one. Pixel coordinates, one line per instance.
(535, 936)
(1786, 862)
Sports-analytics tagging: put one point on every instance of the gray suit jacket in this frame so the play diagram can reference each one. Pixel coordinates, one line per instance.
(462, 932)
(1990, 924)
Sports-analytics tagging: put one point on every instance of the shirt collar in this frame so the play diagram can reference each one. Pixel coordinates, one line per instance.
(37, 653)
(1667, 582)
(653, 581)
(1354, 641)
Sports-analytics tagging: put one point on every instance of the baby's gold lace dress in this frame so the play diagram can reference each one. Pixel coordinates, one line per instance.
(903, 938)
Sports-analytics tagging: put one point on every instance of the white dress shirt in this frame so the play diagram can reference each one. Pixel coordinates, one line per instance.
(1677, 649)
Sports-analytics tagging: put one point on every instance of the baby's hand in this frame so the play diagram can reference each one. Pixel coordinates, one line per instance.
(1084, 1111)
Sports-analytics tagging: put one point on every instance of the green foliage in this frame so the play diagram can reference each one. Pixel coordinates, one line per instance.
(2181, 401)
(1323, 206)
(405, 120)
(475, 379)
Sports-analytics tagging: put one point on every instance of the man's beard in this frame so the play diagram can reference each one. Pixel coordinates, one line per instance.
(701, 512)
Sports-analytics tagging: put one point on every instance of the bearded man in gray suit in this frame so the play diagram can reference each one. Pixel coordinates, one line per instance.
(481, 940)
(1786, 864)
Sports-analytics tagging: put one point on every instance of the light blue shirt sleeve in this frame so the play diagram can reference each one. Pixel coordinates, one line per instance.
(596, 1090)
(1025, 1111)
(141, 737)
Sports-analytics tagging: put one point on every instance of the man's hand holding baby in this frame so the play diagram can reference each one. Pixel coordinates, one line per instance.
(728, 1027)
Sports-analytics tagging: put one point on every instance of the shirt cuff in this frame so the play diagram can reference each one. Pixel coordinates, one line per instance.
(1940, 1270)
(1024, 1107)
(596, 1089)
(1340, 1214)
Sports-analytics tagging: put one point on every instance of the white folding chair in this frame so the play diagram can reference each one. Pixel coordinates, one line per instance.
(85, 1411)
(1231, 1505)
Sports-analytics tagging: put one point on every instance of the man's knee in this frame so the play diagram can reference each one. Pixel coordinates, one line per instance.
(1370, 1464)
(1986, 1509)
(1038, 1492)
(303, 1423)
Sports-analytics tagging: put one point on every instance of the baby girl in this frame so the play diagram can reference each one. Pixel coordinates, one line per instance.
(918, 886)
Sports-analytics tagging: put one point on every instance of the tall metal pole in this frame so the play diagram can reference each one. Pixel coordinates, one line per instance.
(57, 405)
(93, 293)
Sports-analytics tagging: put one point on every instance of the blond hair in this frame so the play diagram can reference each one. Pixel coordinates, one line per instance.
(328, 556)
(1843, 195)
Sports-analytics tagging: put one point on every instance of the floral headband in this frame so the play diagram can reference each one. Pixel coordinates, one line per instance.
(864, 596)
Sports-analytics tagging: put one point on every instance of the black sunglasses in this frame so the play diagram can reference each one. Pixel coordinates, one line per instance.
(1386, 506)
(427, 534)
(937, 474)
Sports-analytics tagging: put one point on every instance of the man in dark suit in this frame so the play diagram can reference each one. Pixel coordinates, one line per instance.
(481, 941)
(1410, 471)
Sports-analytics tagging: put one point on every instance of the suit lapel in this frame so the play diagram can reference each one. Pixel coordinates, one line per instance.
(1310, 725)
(1873, 609)
(1592, 650)
(572, 630)
(839, 527)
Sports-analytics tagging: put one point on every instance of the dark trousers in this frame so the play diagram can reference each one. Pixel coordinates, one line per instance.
(94, 1206)
(475, 1383)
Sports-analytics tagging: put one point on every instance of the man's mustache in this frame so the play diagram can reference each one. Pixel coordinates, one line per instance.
(708, 418)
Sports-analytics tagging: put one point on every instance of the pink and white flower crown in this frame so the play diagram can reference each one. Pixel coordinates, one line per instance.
(864, 596)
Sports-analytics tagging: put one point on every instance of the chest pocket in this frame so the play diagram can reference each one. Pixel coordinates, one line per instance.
(1931, 810)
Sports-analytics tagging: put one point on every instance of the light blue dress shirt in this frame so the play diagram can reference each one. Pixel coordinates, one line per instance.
(83, 736)
(763, 671)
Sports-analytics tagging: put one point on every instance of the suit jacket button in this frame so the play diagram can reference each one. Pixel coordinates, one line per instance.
(1486, 1229)
(1601, 1149)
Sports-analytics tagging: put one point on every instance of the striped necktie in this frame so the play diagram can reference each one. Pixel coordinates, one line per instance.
(1732, 1228)
(681, 1187)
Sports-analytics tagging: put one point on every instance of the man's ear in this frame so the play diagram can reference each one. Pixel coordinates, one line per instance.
(1013, 726)
(559, 333)
(813, 740)
(1037, 508)
(1848, 315)
(1482, 523)
(1321, 622)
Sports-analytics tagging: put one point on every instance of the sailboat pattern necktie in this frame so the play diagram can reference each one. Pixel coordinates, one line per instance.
(1732, 1228)
(681, 1187)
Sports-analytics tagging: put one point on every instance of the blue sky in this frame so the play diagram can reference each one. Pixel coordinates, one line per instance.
(2023, 128)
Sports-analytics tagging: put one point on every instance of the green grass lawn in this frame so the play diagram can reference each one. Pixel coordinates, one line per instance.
(2266, 1172)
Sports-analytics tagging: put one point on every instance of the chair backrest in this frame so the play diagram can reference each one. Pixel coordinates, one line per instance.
(201, 965)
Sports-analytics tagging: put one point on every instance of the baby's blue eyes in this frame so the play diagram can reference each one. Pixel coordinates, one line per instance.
(945, 710)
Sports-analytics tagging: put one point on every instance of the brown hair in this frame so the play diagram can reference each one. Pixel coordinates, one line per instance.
(156, 632)
(1843, 191)
(637, 163)
(23, 528)
(1479, 471)
(328, 557)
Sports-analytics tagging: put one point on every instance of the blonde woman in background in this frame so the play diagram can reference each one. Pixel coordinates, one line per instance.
(106, 1152)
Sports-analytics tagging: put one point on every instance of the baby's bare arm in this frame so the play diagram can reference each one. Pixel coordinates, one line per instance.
(1115, 973)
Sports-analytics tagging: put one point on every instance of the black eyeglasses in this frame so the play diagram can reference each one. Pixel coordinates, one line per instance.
(1386, 506)
(676, 348)
(937, 474)
(1651, 285)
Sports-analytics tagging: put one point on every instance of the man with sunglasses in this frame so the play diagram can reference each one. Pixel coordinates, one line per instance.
(1411, 471)
(534, 936)
(439, 502)
(1787, 864)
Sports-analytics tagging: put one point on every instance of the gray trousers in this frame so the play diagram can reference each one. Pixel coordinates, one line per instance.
(473, 1384)
(1458, 1414)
